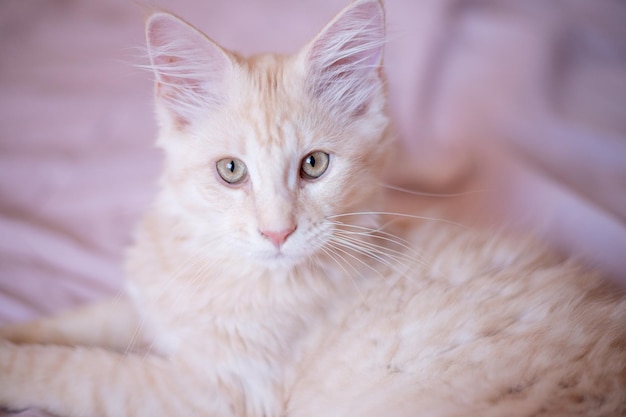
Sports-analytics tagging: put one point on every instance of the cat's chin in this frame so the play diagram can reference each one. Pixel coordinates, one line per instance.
(280, 260)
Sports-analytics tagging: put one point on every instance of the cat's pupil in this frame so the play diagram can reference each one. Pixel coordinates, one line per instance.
(311, 161)
(231, 166)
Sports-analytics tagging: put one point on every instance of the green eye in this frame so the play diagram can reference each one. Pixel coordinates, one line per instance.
(232, 170)
(314, 165)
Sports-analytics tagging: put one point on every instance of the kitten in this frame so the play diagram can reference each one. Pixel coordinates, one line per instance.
(267, 279)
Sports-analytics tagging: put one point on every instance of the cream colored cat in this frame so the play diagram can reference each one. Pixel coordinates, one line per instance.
(268, 281)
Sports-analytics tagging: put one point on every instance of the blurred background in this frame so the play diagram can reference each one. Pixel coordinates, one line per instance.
(520, 105)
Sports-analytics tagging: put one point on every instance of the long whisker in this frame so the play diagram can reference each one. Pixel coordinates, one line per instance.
(354, 236)
(375, 248)
(378, 234)
(329, 252)
(336, 245)
(404, 215)
(372, 254)
(406, 252)
(425, 194)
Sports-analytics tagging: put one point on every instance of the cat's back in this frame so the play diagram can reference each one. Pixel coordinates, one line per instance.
(478, 326)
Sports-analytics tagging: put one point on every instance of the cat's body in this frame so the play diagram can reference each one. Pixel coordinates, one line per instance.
(267, 280)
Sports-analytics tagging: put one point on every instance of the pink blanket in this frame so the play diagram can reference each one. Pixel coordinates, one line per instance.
(522, 101)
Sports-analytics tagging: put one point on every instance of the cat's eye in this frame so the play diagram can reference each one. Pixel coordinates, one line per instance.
(314, 165)
(232, 170)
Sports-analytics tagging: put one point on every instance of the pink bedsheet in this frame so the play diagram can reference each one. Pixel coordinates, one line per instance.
(527, 99)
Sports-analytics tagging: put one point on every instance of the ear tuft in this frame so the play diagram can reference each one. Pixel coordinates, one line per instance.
(345, 59)
(189, 68)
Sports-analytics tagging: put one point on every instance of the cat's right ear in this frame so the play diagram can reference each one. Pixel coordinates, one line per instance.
(190, 70)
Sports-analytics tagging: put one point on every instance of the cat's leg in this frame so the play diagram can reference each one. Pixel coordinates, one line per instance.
(86, 381)
(113, 324)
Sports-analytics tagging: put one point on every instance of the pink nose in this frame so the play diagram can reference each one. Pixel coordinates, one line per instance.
(278, 238)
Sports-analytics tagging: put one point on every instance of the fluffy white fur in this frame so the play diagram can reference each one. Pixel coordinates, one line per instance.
(356, 313)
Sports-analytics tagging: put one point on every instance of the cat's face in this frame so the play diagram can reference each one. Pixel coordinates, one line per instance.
(266, 155)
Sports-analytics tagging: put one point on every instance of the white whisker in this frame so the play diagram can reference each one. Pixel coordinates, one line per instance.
(403, 215)
(379, 234)
(425, 194)
(404, 254)
(329, 253)
(336, 245)
(356, 247)
(391, 253)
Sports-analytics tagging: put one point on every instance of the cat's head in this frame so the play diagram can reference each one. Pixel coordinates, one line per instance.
(265, 155)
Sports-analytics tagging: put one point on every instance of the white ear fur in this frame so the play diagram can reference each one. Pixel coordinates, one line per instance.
(345, 59)
(190, 69)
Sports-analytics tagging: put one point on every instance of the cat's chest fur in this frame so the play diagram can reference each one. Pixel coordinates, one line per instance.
(243, 325)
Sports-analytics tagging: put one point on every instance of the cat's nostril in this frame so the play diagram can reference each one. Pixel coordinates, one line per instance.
(278, 238)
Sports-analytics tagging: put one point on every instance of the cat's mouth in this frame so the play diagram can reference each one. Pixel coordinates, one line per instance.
(279, 261)
(280, 258)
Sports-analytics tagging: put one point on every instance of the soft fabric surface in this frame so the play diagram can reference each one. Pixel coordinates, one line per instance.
(523, 103)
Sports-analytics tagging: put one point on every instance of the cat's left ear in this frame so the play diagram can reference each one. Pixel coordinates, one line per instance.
(190, 69)
(344, 61)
